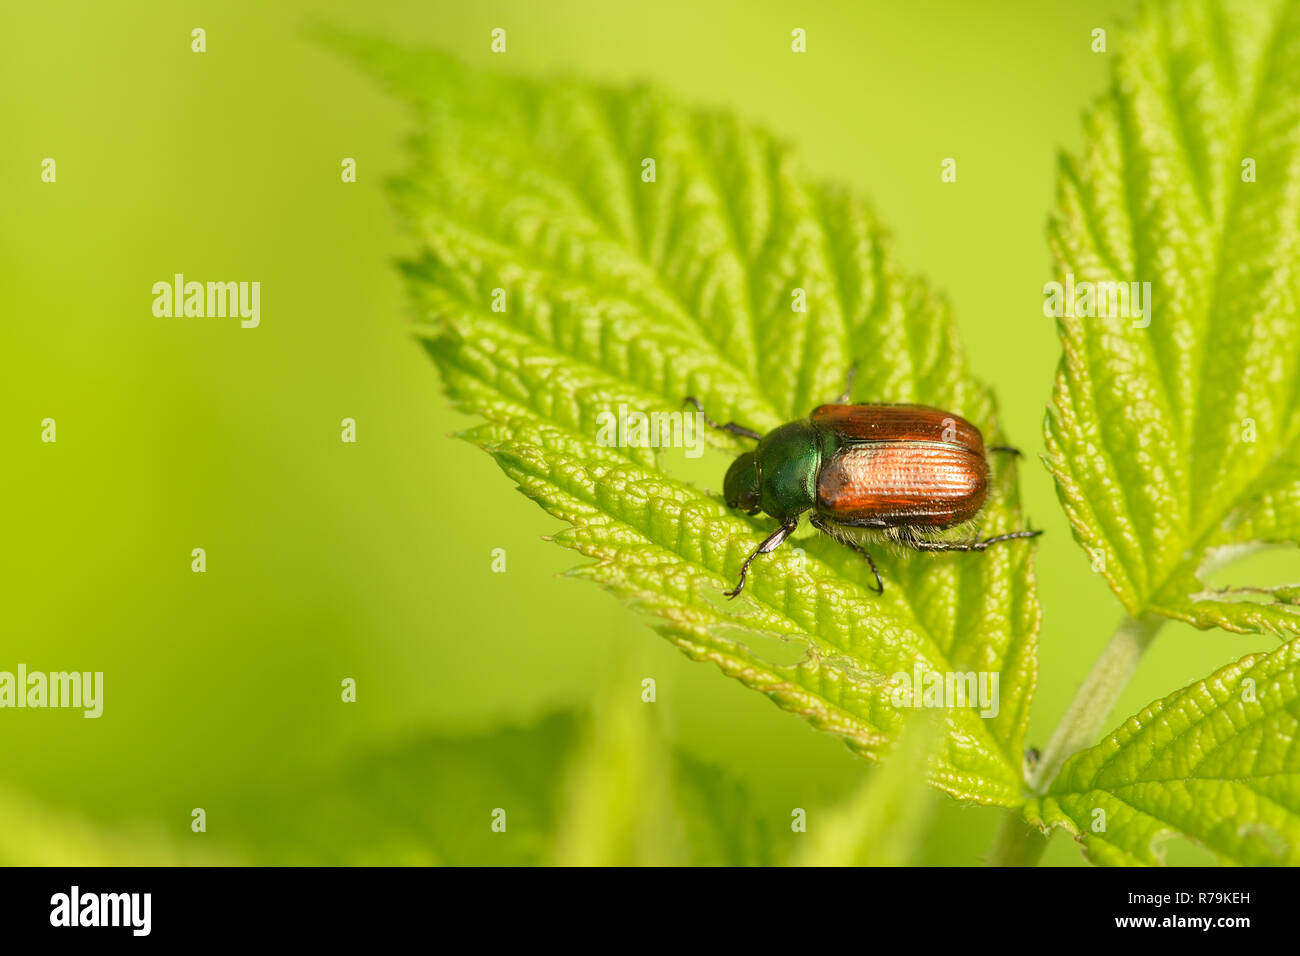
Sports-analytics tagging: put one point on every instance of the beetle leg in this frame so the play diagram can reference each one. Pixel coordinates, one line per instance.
(1010, 536)
(822, 525)
(770, 544)
(921, 544)
(1007, 449)
(847, 395)
(731, 427)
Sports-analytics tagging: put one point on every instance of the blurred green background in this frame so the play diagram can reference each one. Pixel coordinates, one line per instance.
(373, 561)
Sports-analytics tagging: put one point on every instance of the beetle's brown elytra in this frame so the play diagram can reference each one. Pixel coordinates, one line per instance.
(904, 470)
(901, 464)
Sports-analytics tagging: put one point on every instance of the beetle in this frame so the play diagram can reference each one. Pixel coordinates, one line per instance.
(899, 470)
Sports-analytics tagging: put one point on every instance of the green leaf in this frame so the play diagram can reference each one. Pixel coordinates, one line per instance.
(598, 788)
(630, 799)
(428, 801)
(882, 824)
(619, 291)
(1149, 434)
(35, 835)
(618, 791)
(1214, 762)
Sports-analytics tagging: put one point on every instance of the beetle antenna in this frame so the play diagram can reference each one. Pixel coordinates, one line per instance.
(730, 427)
(1005, 449)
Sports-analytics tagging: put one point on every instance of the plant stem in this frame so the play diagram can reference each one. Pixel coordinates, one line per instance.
(1086, 716)
(1020, 844)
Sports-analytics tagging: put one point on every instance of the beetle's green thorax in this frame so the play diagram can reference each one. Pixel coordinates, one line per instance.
(788, 459)
(779, 477)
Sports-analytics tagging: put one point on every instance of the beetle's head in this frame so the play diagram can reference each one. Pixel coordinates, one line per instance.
(740, 487)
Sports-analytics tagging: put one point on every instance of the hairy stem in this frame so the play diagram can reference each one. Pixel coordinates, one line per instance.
(1020, 844)
(1086, 716)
